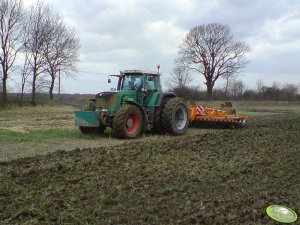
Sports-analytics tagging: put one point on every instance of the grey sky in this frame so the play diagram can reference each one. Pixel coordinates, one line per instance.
(138, 34)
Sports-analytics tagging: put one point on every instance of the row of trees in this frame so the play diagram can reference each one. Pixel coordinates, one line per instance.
(36, 43)
(233, 88)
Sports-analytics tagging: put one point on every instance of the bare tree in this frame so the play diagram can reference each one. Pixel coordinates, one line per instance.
(290, 91)
(39, 28)
(61, 51)
(259, 85)
(25, 72)
(274, 91)
(229, 78)
(237, 88)
(180, 77)
(277, 91)
(11, 29)
(211, 51)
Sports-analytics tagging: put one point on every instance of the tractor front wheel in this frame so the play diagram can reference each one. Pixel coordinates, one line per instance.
(128, 122)
(175, 116)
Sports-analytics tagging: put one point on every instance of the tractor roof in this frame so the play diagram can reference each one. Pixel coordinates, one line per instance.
(139, 72)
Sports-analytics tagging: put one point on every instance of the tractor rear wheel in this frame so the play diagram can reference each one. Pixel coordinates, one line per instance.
(128, 122)
(175, 116)
(157, 117)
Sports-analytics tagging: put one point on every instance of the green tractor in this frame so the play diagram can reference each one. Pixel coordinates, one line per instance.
(137, 105)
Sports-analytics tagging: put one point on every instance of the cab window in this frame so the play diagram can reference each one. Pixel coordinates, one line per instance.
(152, 83)
(131, 82)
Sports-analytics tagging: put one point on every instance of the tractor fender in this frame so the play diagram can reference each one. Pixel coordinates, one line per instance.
(136, 104)
(164, 95)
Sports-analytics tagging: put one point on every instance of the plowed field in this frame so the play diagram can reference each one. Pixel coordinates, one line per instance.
(227, 176)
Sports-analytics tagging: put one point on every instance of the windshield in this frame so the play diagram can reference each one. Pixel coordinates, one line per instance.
(132, 81)
(139, 81)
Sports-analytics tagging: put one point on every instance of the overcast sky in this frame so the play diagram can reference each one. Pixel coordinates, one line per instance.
(138, 34)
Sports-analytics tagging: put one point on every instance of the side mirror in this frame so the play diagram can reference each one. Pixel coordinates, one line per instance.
(109, 80)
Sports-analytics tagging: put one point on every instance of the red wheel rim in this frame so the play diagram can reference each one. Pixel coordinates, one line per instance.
(132, 123)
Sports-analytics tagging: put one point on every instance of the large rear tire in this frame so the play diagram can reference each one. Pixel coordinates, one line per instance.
(158, 129)
(128, 122)
(175, 116)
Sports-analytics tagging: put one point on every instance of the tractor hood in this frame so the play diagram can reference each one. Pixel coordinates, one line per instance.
(112, 101)
(105, 99)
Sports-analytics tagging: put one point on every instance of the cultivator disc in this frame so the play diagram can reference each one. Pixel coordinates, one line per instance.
(281, 214)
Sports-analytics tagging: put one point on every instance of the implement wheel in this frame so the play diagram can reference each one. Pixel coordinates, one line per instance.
(175, 116)
(128, 122)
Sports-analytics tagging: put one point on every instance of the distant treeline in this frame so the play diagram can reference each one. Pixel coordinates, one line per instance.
(276, 92)
(285, 93)
(77, 100)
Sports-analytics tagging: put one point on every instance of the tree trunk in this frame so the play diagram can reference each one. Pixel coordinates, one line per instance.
(4, 83)
(226, 86)
(22, 99)
(22, 94)
(209, 89)
(33, 94)
(52, 87)
(4, 89)
(51, 94)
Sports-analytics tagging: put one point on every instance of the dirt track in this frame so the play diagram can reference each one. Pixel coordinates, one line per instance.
(222, 177)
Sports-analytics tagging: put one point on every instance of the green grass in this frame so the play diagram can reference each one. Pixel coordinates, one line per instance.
(39, 135)
(26, 131)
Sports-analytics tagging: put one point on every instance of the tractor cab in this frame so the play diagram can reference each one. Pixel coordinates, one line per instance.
(141, 85)
(139, 80)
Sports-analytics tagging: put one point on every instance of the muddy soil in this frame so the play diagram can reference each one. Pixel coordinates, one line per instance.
(229, 176)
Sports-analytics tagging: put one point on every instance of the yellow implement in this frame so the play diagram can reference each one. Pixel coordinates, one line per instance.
(223, 115)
